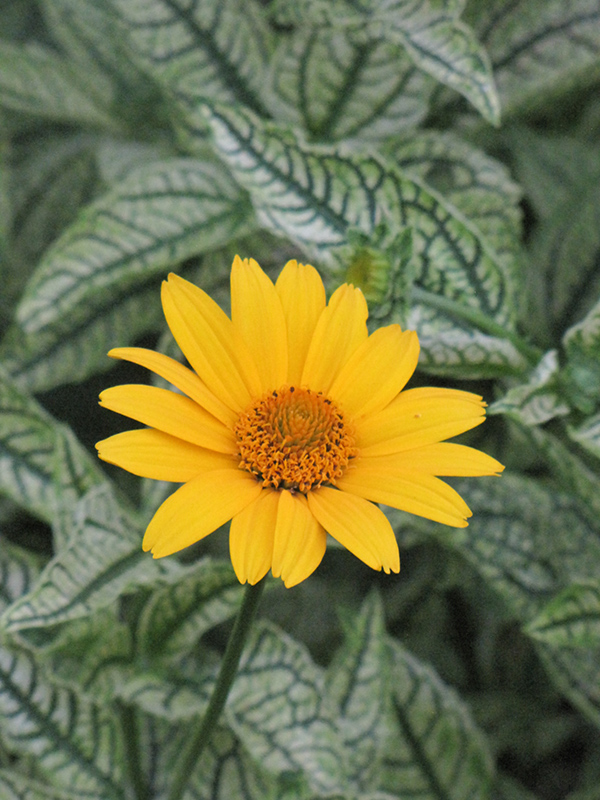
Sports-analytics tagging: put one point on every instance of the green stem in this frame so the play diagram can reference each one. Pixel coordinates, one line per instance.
(231, 659)
(481, 321)
(132, 751)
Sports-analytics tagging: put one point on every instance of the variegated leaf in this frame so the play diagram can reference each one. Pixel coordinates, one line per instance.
(436, 751)
(30, 442)
(576, 672)
(102, 560)
(217, 49)
(104, 271)
(15, 786)
(516, 540)
(539, 399)
(433, 35)
(37, 80)
(587, 434)
(279, 709)
(538, 47)
(339, 86)
(76, 744)
(571, 619)
(19, 570)
(357, 683)
(313, 196)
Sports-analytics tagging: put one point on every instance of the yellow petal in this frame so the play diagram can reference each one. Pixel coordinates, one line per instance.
(443, 458)
(258, 316)
(154, 454)
(341, 328)
(418, 493)
(358, 525)
(210, 342)
(418, 417)
(302, 296)
(198, 508)
(377, 371)
(171, 413)
(181, 377)
(300, 541)
(251, 537)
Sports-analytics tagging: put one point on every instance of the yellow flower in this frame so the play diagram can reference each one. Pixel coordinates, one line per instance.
(291, 423)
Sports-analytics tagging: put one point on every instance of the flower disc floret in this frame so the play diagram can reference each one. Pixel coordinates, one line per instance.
(295, 438)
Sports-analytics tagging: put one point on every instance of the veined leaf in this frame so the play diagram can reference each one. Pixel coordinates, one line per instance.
(75, 743)
(218, 49)
(19, 570)
(102, 560)
(30, 441)
(434, 37)
(537, 400)
(15, 786)
(436, 750)
(528, 541)
(587, 434)
(277, 708)
(576, 672)
(176, 616)
(572, 619)
(153, 219)
(357, 682)
(313, 196)
(538, 47)
(37, 80)
(339, 86)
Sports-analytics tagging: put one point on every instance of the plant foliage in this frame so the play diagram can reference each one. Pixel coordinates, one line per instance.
(444, 155)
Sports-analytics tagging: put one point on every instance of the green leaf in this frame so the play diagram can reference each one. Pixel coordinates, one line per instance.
(19, 570)
(528, 541)
(280, 711)
(36, 80)
(436, 751)
(576, 672)
(338, 86)
(357, 683)
(571, 619)
(313, 196)
(15, 786)
(437, 41)
(30, 443)
(587, 434)
(581, 377)
(176, 616)
(537, 400)
(102, 273)
(218, 49)
(75, 743)
(538, 47)
(102, 560)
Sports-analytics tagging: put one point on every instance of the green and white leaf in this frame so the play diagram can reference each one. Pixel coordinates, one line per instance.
(218, 49)
(36, 80)
(435, 750)
(19, 570)
(102, 560)
(538, 47)
(438, 42)
(539, 399)
(279, 709)
(576, 672)
(572, 619)
(76, 744)
(314, 195)
(15, 786)
(528, 541)
(30, 443)
(587, 434)
(357, 683)
(176, 616)
(336, 85)
(98, 285)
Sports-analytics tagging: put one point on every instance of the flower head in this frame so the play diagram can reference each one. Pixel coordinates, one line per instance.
(292, 423)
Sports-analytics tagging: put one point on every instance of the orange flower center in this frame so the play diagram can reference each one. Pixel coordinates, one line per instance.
(294, 439)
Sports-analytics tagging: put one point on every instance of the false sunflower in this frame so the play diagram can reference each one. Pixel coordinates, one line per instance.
(292, 423)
